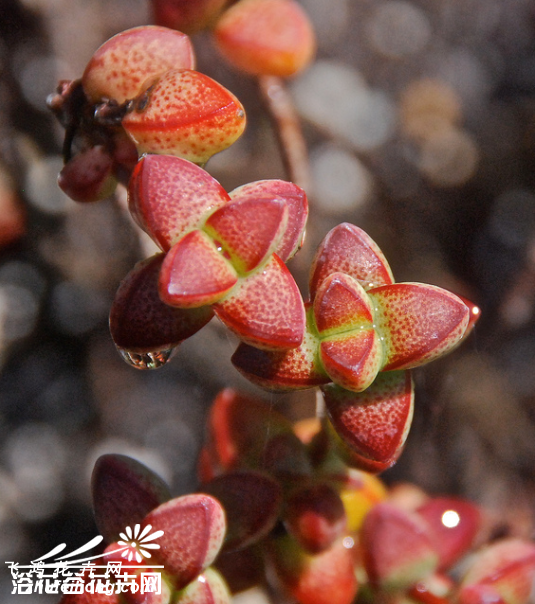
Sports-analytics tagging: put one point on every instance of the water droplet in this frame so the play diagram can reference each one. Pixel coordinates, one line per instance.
(146, 360)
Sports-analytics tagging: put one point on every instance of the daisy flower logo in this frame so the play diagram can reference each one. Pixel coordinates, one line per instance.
(137, 542)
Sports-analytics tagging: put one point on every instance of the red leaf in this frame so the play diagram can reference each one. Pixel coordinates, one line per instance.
(315, 516)
(418, 322)
(454, 524)
(283, 370)
(504, 569)
(252, 503)
(194, 273)
(185, 15)
(374, 424)
(398, 550)
(296, 202)
(324, 578)
(194, 529)
(248, 230)
(234, 425)
(140, 322)
(352, 360)
(124, 491)
(348, 249)
(187, 114)
(169, 196)
(265, 309)
(121, 66)
(271, 37)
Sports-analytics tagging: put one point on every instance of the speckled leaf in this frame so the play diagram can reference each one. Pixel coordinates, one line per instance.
(418, 322)
(296, 202)
(505, 569)
(141, 322)
(315, 516)
(208, 588)
(341, 304)
(348, 249)
(124, 491)
(292, 369)
(265, 309)
(353, 359)
(373, 424)
(248, 230)
(194, 273)
(194, 529)
(119, 68)
(398, 551)
(325, 578)
(252, 503)
(272, 37)
(185, 113)
(169, 196)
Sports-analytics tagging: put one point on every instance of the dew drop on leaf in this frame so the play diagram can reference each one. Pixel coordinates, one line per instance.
(146, 360)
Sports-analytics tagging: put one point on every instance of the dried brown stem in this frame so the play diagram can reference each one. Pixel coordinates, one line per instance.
(288, 128)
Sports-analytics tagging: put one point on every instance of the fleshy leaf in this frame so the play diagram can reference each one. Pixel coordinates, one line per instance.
(352, 360)
(124, 491)
(119, 68)
(208, 588)
(185, 113)
(324, 578)
(265, 309)
(271, 37)
(252, 503)
(296, 202)
(194, 273)
(340, 304)
(315, 516)
(248, 230)
(292, 369)
(504, 569)
(359, 493)
(373, 424)
(234, 425)
(186, 15)
(194, 529)
(169, 196)
(454, 524)
(348, 249)
(418, 322)
(285, 457)
(398, 550)
(141, 322)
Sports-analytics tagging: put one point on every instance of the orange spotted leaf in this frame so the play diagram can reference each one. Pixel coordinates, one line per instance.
(121, 66)
(185, 113)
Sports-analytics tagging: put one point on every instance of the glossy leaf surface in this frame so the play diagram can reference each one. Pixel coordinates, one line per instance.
(187, 114)
(121, 66)
(169, 196)
(194, 529)
(124, 491)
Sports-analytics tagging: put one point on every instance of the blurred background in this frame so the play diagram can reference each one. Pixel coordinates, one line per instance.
(420, 123)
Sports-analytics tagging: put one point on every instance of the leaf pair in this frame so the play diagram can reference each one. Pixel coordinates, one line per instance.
(223, 254)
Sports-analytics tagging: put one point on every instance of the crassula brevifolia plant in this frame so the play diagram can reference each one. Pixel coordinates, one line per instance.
(301, 503)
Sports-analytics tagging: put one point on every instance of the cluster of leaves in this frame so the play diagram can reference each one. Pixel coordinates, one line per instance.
(225, 253)
(288, 511)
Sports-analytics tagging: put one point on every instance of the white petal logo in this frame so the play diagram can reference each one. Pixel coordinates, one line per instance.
(137, 543)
